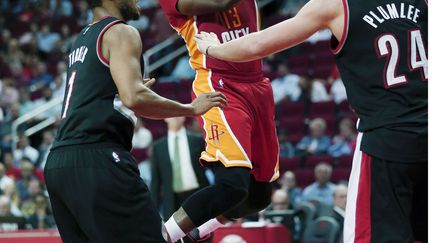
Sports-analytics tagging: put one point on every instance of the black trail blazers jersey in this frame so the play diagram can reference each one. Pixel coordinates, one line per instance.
(382, 58)
(92, 110)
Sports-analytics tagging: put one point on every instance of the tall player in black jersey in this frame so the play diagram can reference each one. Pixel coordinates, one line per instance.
(95, 189)
(380, 49)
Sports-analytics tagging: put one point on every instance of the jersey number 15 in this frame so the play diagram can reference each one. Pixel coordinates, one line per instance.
(388, 46)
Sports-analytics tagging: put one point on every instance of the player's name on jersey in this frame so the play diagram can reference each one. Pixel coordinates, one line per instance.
(391, 11)
(234, 34)
(78, 55)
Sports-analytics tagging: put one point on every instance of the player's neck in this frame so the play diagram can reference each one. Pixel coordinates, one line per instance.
(106, 10)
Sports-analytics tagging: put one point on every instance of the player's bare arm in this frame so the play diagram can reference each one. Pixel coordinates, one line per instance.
(314, 16)
(202, 7)
(122, 47)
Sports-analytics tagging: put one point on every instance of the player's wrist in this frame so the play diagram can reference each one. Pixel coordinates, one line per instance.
(207, 50)
(189, 110)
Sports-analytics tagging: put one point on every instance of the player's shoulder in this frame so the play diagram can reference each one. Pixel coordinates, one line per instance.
(123, 30)
(122, 33)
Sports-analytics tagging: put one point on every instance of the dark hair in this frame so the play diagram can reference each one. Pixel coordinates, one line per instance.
(94, 3)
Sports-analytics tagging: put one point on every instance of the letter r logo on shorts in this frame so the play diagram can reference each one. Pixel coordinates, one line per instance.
(215, 134)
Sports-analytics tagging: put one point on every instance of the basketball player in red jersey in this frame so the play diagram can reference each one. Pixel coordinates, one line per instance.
(241, 140)
(380, 49)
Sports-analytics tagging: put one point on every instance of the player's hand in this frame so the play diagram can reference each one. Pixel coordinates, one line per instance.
(149, 82)
(206, 101)
(205, 41)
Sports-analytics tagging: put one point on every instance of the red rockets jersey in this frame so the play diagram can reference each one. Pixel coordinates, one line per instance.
(236, 22)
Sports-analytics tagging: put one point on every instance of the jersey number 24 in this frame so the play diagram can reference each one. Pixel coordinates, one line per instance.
(388, 46)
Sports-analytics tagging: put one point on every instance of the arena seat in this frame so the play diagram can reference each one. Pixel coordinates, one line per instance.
(322, 230)
(322, 108)
(313, 160)
(304, 177)
(344, 161)
(291, 109)
(292, 124)
(289, 164)
(341, 174)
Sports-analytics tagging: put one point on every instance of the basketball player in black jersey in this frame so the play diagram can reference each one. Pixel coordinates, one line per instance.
(380, 49)
(95, 189)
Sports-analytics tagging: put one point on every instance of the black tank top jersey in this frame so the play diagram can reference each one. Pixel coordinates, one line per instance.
(382, 59)
(92, 111)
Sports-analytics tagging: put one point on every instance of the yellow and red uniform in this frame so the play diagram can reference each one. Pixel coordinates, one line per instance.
(243, 133)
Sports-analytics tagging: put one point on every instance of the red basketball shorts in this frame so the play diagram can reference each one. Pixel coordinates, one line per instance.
(243, 133)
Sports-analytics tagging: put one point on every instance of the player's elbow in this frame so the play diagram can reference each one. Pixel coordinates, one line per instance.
(130, 101)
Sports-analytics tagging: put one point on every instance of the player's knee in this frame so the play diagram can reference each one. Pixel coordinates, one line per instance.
(260, 203)
(234, 184)
(234, 193)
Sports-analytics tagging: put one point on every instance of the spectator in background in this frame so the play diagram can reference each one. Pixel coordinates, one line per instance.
(25, 104)
(142, 137)
(6, 126)
(11, 192)
(85, 14)
(46, 39)
(4, 179)
(42, 217)
(25, 150)
(322, 189)
(66, 39)
(286, 150)
(28, 205)
(176, 173)
(312, 90)
(321, 35)
(23, 183)
(182, 71)
(41, 77)
(280, 200)
(339, 204)
(337, 90)
(9, 162)
(315, 143)
(59, 85)
(144, 167)
(29, 36)
(14, 57)
(286, 86)
(9, 94)
(44, 148)
(288, 184)
(5, 211)
(345, 141)
(60, 8)
(47, 97)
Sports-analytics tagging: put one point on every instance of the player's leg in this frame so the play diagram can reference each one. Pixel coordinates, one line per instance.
(121, 207)
(67, 225)
(228, 134)
(380, 200)
(265, 155)
(230, 189)
(393, 186)
(258, 198)
(419, 220)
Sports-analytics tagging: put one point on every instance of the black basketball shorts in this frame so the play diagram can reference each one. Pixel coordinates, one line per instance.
(97, 195)
(387, 200)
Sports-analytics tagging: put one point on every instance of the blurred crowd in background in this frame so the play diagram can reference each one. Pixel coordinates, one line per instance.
(316, 128)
